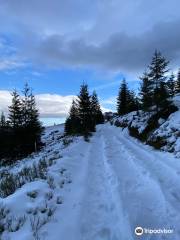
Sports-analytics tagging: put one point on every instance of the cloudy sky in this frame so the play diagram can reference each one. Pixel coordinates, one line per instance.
(55, 45)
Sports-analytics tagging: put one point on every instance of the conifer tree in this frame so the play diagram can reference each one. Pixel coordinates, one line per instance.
(177, 83)
(122, 99)
(2, 120)
(15, 111)
(171, 85)
(85, 111)
(26, 102)
(98, 117)
(72, 124)
(68, 126)
(31, 128)
(164, 101)
(146, 92)
(33, 122)
(132, 101)
(157, 74)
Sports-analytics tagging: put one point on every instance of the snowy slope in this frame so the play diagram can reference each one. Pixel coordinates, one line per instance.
(166, 135)
(170, 130)
(101, 190)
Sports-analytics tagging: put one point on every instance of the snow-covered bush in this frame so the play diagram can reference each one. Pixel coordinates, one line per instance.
(12, 181)
(59, 200)
(168, 134)
(67, 141)
(37, 220)
(8, 185)
(32, 194)
(10, 222)
(160, 130)
(14, 223)
(4, 211)
(51, 183)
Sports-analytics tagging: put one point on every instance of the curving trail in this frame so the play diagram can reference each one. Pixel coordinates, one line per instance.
(120, 184)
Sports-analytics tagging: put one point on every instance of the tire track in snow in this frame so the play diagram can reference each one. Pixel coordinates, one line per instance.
(165, 176)
(142, 197)
(164, 157)
(102, 213)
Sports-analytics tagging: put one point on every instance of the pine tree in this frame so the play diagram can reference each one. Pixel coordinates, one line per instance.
(122, 99)
(2, 120)
(33, 121)
(15, 111)
(177, 83)
(85, 112)
(164, 101)
(68, 126)
(132, 101)
(171, 85)
(157, 75)
(26, 105)
(72, 124)
(146, 92)
(98, 117)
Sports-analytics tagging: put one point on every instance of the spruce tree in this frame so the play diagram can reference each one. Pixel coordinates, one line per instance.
(164, 101)
(146, 92)
(85, 111)
(15, 111)
(68, 126)
(177, 83)
(2, 120)
(132, 101)
(122, 99)
(26, 105)
(97, 114)
(33, 122)
(171, 85)
(157, 74)
(72, 124)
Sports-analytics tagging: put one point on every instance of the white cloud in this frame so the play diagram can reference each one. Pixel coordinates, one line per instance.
(49, 105)
(104, 109)
(9, 64)
(53, 105)
(5, 100)
(110, 101)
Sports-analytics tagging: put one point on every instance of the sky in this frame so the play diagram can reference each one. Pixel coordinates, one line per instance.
(55, 46)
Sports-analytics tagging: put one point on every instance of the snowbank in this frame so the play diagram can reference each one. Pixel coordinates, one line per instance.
(157, 131)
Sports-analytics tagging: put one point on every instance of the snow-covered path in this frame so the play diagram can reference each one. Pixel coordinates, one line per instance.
(121, 184)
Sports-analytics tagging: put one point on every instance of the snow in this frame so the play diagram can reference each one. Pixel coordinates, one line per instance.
(170, 130)
(106, 187)
(138, 120)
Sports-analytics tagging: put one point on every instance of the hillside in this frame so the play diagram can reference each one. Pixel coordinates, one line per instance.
(98, 190)
(161, 132)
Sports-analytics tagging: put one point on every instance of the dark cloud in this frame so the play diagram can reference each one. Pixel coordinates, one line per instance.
(119, 52)
(112, 35)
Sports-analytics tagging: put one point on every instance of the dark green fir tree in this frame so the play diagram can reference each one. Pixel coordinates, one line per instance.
(85, 111)
(146, 92)
(171, 85)
(98, 117)
(158, 70)
(15, 111)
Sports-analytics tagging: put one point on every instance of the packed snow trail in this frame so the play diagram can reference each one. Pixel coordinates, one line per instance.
(119, 184)
(102, 211)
